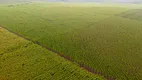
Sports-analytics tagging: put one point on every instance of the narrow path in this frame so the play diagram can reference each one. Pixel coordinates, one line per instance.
(65, 57)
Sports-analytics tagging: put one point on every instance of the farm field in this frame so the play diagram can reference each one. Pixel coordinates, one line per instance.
(23, 60)
(106, 39)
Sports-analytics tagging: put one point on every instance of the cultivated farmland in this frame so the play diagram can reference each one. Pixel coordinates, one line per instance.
(23, 60)
(104, 39)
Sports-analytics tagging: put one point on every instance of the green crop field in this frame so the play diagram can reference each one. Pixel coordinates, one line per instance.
(23, 60)
(104, 38)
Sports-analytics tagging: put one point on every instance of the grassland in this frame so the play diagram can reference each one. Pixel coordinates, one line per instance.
(98, 37)
(23, 60)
